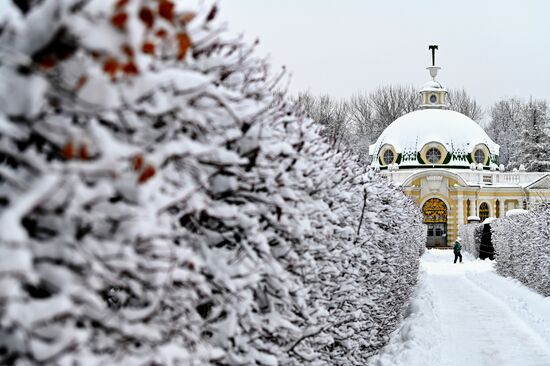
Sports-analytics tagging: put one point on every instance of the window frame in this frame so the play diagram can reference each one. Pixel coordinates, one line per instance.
(433, 148)
(392, 157)
(480, 150)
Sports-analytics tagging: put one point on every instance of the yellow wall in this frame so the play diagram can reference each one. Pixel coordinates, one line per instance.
(484, 195)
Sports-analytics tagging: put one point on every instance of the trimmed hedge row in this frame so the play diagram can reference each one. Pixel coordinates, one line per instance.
(522, 246)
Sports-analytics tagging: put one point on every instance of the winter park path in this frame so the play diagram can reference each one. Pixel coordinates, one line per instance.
(467, 315)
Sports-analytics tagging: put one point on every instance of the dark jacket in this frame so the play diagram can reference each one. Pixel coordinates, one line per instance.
(457, 247)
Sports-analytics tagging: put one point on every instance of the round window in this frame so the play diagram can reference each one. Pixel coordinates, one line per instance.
(433, 98)
(479, 156)
(433, 155)
(388, 157)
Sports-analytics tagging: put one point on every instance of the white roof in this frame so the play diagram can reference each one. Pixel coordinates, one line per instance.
(433, 85)
(489, 220)
(516, 211)
(454, 130)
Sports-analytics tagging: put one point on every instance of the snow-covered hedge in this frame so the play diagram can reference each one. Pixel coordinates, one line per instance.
(467, 239)
(470, 238)
(521, 245)
(476, 239)
(161, 203)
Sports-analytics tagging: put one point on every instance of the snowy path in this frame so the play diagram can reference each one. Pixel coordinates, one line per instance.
(467, 315)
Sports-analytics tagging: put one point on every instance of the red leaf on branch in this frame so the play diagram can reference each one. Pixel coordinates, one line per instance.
(147, 17)
(130, 68)
(83, 153)
(47, 62)
(148, 48)
(110, 66)
(68, 151)
(119, 20)
(166, 9)
(137, 162)
(187, 17)
(184, 42)
(148, 173)
(128, 51)
(161, 33)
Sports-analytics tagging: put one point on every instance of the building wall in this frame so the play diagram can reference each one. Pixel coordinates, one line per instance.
(457, 195)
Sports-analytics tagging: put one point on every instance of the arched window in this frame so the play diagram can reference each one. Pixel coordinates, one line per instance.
(434, 211)
(483, 211)
(479, 156)
(388, 157)
(497, 208)
(433, 155)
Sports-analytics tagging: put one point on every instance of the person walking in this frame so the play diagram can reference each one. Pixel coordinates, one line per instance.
(456, 249)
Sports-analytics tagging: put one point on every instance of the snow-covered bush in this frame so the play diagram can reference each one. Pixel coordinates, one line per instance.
(161, 203)
(470, 237)
(521, 245)
(476, 239)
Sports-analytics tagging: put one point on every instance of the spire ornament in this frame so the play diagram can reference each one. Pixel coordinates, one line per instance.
(433, 69)
(434, 95)
(433, 47)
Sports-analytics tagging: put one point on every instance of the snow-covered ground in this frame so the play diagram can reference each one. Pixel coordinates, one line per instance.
(465, 314)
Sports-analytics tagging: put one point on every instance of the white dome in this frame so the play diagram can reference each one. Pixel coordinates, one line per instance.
(456, 132)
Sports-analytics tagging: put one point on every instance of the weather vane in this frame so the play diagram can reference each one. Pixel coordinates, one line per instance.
(433, 47)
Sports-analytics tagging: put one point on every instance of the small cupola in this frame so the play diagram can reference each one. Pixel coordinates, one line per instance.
(434, 94)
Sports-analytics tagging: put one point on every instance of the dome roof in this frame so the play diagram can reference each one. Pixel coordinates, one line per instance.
(457, 133)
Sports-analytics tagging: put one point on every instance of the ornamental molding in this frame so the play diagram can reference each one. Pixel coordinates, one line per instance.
(434, 182)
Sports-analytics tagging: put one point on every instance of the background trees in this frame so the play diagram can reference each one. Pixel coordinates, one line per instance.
(356, 123)
(520, 127)
(461, 102)
(521, 130)
(504, 127)
(531, 150)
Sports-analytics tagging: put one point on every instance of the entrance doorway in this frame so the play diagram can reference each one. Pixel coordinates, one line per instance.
(437, 235)
(435, 217)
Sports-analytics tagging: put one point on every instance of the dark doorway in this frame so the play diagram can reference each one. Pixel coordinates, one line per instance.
(437, 235)
(435, 218)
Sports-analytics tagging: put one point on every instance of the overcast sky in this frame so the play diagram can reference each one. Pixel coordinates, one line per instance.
(492, 48)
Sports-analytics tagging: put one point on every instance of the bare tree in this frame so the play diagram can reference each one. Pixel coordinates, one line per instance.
(461, 102)
(391, 102)
(331, 114)
(371, 113)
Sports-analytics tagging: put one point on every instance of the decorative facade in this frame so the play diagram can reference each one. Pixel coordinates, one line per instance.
(448, 164)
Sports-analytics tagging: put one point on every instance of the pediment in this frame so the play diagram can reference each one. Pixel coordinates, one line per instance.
(541, 183)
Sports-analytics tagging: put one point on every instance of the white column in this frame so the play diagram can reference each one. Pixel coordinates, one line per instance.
(460, 209)
(473, 207)
(502, 208)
